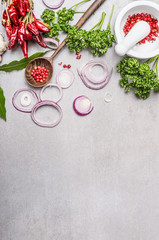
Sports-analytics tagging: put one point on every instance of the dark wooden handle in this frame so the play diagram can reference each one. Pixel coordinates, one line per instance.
(95, 5)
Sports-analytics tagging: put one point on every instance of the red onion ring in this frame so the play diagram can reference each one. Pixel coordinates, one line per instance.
(82, 105)
(45, 103)
(53, 6)
(50, 40)
(63, 84)
(89, 81)
(51, 85)
(16, 94)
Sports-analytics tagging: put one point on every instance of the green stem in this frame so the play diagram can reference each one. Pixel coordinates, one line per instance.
(108, 26)
(100, 22)
(156, 68)
(76, 5)
(79, 11)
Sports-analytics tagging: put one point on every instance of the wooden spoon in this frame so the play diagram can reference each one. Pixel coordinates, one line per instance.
(48, 62)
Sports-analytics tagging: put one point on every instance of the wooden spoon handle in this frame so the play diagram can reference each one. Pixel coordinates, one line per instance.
(95, 5)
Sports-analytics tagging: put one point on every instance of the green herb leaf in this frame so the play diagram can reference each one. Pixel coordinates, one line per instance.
(2, 105)
(19, 65)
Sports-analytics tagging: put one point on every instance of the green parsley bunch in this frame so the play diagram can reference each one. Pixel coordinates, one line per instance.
(98, 41)
(139, 76)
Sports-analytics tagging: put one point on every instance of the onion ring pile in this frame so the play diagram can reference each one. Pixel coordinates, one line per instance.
(91, 82)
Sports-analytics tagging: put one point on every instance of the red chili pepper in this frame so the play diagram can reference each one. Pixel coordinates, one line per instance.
(24, 47)
(27, 35)
(33, 29)
(13, 14)
(14, 37)
(16, 4)
(4, 18)
(8, 29)
(21, 33)
(33, 15)
(41, 26)
(27, 5)
(39, 40)
(22, 10)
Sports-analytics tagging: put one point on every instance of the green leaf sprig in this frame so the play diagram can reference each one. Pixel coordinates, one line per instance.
(139, 77)
(19, 65)
(2, 105)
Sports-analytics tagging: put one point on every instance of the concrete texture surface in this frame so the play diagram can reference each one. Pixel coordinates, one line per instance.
(90, 178)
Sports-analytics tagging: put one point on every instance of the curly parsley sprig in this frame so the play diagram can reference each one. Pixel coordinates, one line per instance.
(139, 76)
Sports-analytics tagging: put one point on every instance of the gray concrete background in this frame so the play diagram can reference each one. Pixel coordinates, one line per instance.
(90, 178)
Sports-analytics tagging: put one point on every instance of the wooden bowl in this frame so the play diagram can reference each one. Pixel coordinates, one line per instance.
(42, 62)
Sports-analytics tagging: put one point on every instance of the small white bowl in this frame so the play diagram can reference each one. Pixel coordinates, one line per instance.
(143, 51)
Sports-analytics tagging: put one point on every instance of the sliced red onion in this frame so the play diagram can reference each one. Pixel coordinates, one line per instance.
(23, 109)
(65, 78)
(48, 42)
(82, 106)
(46, 103)
(51, 85)
(89, 80)
(55, 6)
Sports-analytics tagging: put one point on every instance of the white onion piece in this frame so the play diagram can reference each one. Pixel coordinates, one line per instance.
(82, 105)
(46, 103)
(51, 85)
(108, 97)
(23, 109)
(50, 40)
(49, 5)
(65, 78)
(25, 100)
(91, 82)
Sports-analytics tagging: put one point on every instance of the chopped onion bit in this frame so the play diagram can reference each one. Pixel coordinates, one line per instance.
(51, 43)
(108, 97)
(82, 105)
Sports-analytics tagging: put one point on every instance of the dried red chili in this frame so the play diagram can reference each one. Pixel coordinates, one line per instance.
(153, 22)
(14, 37)
(33, 29)
(27, 35)
(8, 30)
(22, 10)
(21, 33)
(41, 26)
(16, 4)
(13, 14)
(27, 5)
(24, 47)
(39, 40)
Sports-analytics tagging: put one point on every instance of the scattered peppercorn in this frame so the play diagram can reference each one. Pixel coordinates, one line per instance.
(153, 22)
(40, 74)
